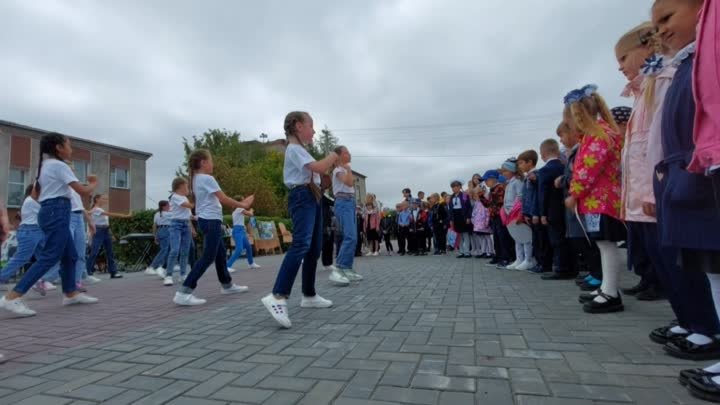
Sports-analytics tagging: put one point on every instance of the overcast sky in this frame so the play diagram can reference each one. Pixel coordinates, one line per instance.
(422, 92)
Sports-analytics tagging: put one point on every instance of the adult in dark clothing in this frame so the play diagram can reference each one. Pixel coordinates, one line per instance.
(439, 223)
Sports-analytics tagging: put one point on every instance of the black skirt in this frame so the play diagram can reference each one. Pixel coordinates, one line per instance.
(611, 230)
(460, 222)
(372, 235)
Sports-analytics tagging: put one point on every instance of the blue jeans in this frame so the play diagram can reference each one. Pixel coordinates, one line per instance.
(213, 251)
(77, 230)
(102, 239)
(163, 238)
(30, 240)
(241, 242)
(306, 215)
(180, 238)
(345, 215)
(54, 221)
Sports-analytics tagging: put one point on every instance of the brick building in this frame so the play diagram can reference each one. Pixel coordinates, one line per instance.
(121, 172)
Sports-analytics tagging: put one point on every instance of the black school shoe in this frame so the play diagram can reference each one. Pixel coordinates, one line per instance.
(559, 276)
(663, 335)
(612, 304)
(685, 349)
(637, 288)
(116, 275)
(651, 294)
(694, 373)
(704, 388)
(583, 298)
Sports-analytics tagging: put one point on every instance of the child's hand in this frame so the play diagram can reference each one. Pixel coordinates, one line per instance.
(571, 202)
(535, 220)
(544, 220)
(92, 180)
(558, 182)
(532, 176)
(649, 209)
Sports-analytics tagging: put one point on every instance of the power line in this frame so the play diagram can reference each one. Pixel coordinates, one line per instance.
(431, 156)
(448, 124)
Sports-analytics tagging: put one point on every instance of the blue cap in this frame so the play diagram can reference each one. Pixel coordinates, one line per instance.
(502, 179)
(491, 174)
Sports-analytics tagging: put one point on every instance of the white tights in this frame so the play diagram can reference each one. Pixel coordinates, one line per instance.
(611, 261)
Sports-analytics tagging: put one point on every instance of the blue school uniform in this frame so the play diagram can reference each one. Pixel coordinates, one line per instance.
(687, 216)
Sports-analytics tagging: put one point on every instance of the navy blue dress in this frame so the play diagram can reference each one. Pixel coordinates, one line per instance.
(687, 217)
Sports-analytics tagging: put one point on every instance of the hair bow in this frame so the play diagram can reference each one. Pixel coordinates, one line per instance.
(576, 95)
(652, 66)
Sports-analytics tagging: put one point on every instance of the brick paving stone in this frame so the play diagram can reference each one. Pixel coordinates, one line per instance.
(457, 331)
(43, 400)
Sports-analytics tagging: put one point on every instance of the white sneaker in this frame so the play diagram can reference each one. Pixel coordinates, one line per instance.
(376, 254)
(168, 281)
(338, 278)
(49, 286)
(514, 265)
(231, 270)
(352, 275)
(330, 268)
(79, 299)
(234, 289)
(254, 266)
(150, 271)
(183, 277)
(368, 254)
(315, 302)
(16, 306)
(92, 280)
(278, 310)
(526, 265)
(187, 299)
(161, 272)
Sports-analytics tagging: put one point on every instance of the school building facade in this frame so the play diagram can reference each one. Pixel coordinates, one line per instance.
(121, 172)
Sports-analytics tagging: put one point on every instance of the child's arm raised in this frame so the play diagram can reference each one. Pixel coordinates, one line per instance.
(83, 189)
(322, 166)
(232, 203)
(117, 215)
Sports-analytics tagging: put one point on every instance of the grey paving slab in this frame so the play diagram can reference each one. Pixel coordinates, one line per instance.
(425, 330)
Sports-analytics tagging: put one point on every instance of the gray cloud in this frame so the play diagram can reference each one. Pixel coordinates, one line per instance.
(144, 74)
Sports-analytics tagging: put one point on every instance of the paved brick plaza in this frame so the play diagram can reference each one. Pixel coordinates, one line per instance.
(416, 331)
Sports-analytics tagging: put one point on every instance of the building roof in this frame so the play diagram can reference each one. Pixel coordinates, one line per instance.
(145, 155)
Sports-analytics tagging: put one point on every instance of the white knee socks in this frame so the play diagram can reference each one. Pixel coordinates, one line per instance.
(715, 289)
(611, 261)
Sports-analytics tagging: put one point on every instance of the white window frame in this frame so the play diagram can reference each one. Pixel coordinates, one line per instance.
(113, 178)
(25, 173)
(86, 165)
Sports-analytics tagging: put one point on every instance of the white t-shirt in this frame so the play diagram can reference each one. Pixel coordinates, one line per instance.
(207, 205)
(295, 171)
(97, 217)
(238, 217)
(29, 212)
(177, 211)
(338, 185)
(162, 219)
(55, 177)
(76, 202)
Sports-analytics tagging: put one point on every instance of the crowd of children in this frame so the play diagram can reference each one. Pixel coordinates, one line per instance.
(646, 175)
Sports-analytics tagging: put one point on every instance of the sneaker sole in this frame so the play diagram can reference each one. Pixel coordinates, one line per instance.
(268, 306)
(315, 306)
(227, 292)
(185, 304)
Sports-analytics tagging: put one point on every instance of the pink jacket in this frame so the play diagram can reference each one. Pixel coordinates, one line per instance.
(706, 88)
(374, 220)
(637, 161)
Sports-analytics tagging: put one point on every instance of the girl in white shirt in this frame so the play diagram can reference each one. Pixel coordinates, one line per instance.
(161, 230)
(209, 199)
(102, 239)
(302, 176)
(239, 234)
(55, 180)
(29, 236)
(180, 235)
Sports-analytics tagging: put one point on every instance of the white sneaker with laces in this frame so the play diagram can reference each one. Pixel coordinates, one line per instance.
(231, 270)
(161, 272)
(79, 299)
(338, 278)
(514, 265)
(187, 299)
(352, 275)
(49, 286)
(278, 310)
(315, 302)
(168, 281)
(16, 306)
(376, 254)
(526, 265)
(254, 266)
(368, 254)
(330, 268)
(92, 280)
(150, 271)
(234, 289)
